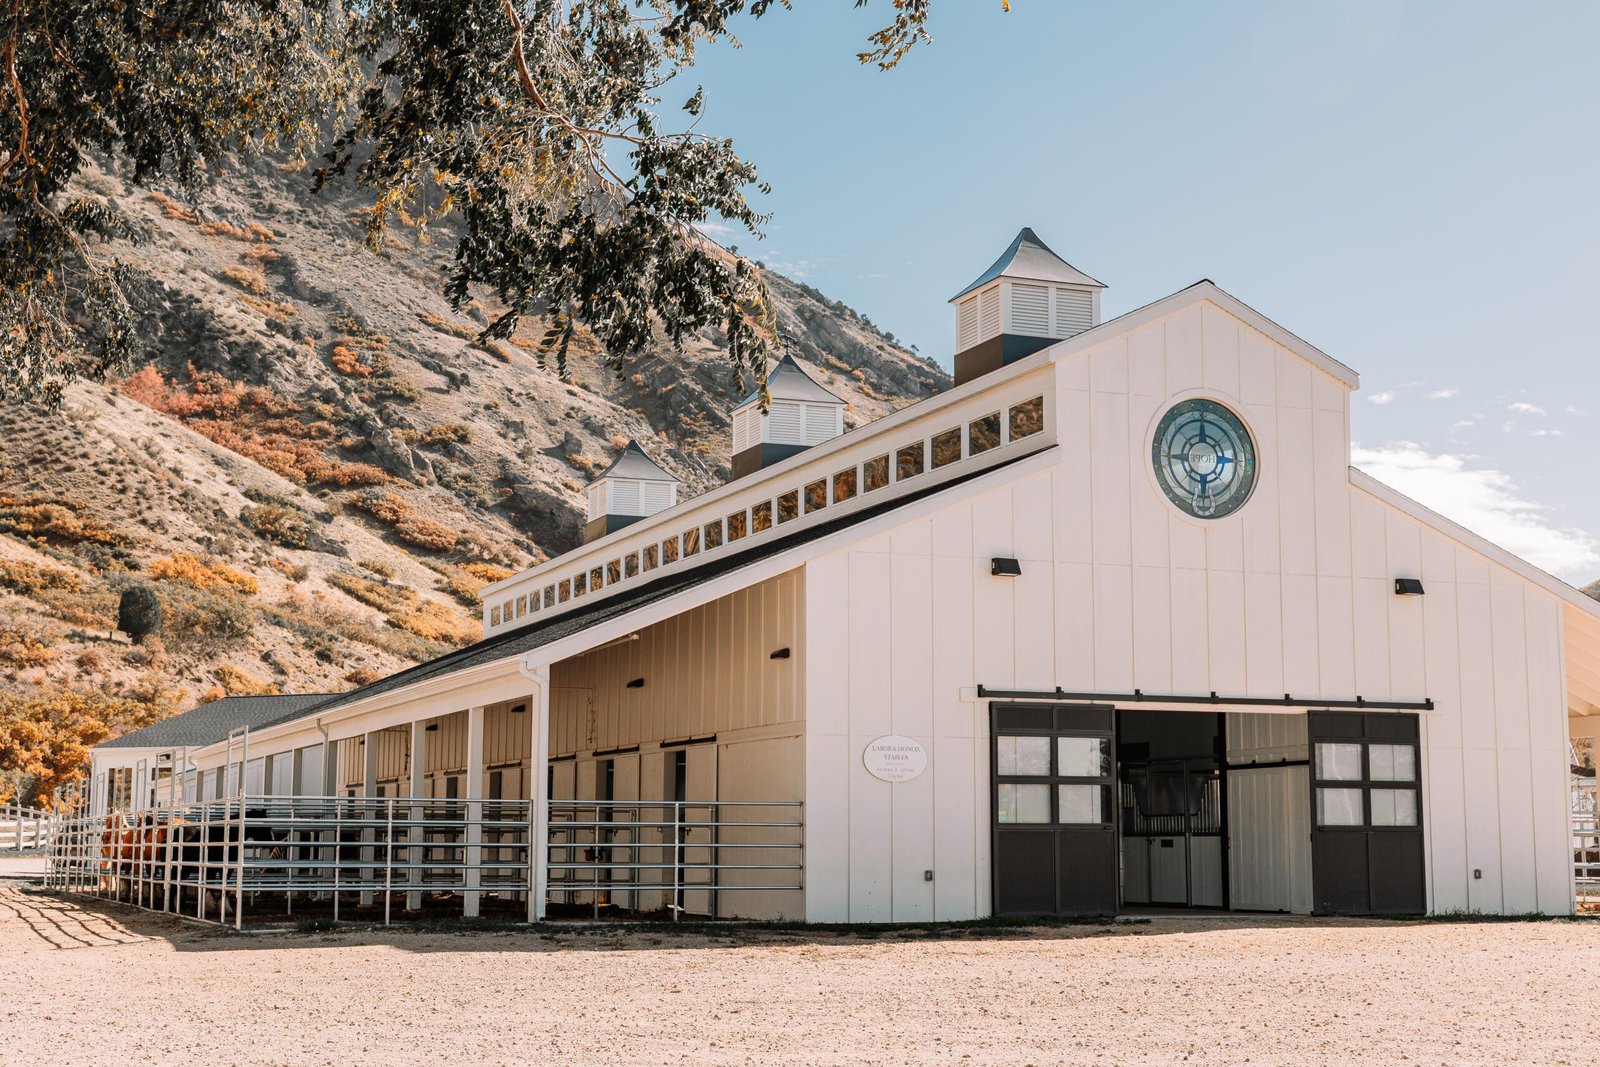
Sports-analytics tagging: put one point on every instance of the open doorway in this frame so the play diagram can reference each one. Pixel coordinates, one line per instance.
(1214, 810)
(1173, 809)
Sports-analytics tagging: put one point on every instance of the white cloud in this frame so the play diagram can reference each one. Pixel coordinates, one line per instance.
(1380, 399)
(1485, 501)
(1464, 424)
(1547, 433)
(1448, 392)
(1522, 407)
(1572, 409)
(722, 233)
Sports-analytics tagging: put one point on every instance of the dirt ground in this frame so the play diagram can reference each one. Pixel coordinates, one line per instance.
(103, 984)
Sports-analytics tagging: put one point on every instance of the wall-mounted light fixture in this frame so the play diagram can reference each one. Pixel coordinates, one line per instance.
(518, 709)
(782, 653)
(637, 683)
(1408, 587)
(1005, 566)
(432, 727)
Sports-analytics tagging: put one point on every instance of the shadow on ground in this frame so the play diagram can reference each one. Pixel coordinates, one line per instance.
(67, 922)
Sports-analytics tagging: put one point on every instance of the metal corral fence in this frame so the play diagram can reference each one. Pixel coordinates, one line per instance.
(1585, 836)
(23, 827)
(216, 861)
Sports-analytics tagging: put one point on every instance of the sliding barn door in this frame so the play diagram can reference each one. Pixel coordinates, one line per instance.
(1366, 803)
(1055, 840)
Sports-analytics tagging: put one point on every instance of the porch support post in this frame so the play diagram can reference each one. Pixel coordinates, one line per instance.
(539, 790)
(369, 788)
(470, 898)
(414, 833)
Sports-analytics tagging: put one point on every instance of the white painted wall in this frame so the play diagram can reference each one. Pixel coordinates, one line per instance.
(1294, 593)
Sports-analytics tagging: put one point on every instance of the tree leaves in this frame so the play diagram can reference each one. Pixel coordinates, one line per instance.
(534, 122)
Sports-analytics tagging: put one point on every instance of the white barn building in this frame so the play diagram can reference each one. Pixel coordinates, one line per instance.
(1112, 623)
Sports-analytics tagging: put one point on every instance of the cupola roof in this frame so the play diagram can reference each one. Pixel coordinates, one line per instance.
(1031, 259)
(789, 381)
(633, 463)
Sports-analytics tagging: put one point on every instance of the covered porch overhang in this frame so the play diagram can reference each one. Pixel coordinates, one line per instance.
(1582, 630)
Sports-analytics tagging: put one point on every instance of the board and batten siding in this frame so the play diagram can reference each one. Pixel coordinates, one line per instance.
(1293, 594)
(707, 673)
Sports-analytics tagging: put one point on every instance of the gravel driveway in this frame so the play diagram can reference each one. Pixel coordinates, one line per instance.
(103, 984)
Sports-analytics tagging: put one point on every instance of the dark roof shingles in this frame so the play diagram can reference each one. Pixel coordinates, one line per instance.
(210, 723)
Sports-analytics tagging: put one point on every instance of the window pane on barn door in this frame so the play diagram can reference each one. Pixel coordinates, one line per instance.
(1083, 757)
(1082, 803)
(1394, 807)
(1022, 755)
(1023, 803)
(1339, 807)
(1339, 762)
(1392, 763)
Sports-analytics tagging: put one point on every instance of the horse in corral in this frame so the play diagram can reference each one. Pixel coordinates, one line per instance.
(117, 842)
(209, 853)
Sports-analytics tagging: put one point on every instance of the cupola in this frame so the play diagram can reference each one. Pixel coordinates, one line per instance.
(632, 488)
(1028, 299)
(802, 414)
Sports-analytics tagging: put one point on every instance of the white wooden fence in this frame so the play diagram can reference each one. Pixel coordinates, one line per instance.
(23, 828)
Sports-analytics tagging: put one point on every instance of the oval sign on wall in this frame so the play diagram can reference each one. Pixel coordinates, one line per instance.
(895, 759)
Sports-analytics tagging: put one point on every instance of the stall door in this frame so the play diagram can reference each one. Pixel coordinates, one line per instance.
(1366, 801)
(1055, 841)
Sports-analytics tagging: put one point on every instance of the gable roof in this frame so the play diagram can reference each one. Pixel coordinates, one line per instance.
(635, 463)
(1577, 598)
(1030, 258)
(210, 723)
(543, 632)
(1203, 290)
(789, 381)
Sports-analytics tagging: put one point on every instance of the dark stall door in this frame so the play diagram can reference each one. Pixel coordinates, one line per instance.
(1055, 842)
(1366, 804)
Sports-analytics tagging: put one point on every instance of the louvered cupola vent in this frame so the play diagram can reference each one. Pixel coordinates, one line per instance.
(632, 488)
(1028, 299)
(802, 414)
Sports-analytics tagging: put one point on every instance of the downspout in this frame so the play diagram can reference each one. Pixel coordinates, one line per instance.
(326, 754)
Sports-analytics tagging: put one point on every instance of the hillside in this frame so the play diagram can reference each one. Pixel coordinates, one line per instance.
(317, 468)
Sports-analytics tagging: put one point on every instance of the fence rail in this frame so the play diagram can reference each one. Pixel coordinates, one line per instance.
(23, 827)
(1586, 854)
(214, 861)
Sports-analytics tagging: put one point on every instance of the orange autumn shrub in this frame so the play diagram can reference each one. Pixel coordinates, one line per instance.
(26, 578)
(385, 507)
(240, 683)
(255, 423)
(193, 571)
(45, 738)
(427, 534)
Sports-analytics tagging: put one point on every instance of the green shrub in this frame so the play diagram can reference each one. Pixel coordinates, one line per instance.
(280, 525)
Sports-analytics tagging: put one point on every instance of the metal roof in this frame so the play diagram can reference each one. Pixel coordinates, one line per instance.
(210, 723)
(789, 381)
(535, 634)
(1030, 258)
(634, 463)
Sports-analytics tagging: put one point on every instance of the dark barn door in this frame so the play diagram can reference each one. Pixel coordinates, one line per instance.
(1055, 842)
(1366, 802)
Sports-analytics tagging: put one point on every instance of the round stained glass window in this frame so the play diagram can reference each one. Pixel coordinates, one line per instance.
(1204, 459)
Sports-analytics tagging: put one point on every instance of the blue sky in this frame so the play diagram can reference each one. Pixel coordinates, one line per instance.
(1410, 186)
